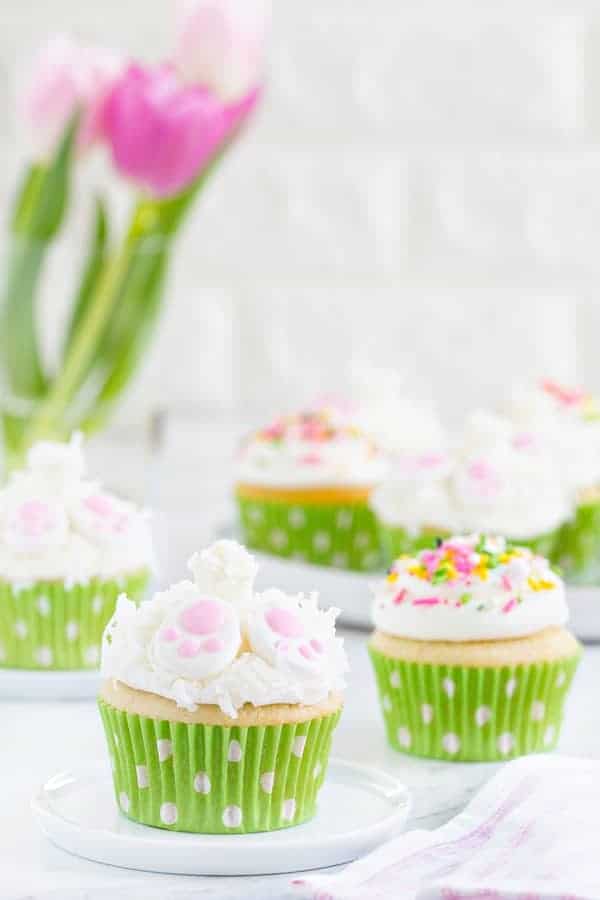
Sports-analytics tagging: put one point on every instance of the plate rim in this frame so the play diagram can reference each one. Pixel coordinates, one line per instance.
(87, 842)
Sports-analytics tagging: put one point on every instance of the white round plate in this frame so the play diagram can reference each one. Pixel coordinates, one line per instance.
(25, 684)
(359, 808)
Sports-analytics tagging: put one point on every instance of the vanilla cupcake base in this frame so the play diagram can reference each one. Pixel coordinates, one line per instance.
(477, 701)
(206, 773)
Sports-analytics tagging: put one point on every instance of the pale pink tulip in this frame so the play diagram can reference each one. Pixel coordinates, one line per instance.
(68, 76)
(161, 132)
(221, 45)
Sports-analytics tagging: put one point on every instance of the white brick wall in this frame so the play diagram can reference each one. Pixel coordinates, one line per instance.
(422, 186)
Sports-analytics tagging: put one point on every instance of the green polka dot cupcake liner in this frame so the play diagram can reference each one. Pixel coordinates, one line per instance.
(339, 535)
(216, 779)
(50, 625)
(472, 714)
(578, 547)
(396, 541)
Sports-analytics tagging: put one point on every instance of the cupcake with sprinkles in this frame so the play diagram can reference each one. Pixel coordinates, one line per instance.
(67, 549)
(219, 703)
(303, 485)
(568, 420)
(470, 652)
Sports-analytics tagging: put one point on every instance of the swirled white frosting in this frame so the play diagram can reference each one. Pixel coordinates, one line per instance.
(416, 494)
(568, 420)
(214, 641)
(470, 589)
(316, 448)
(56, 525)
(506, 481)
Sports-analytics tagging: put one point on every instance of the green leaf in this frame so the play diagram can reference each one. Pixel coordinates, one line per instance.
(37, 217)
(92, 270)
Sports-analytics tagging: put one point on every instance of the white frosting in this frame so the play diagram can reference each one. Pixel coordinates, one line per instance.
(385, 409)
(498, 479)
(56, 525)
(311, 449)
(416, 494)
(470, 589)
(505, 481)
(228, 647)
(569, 422)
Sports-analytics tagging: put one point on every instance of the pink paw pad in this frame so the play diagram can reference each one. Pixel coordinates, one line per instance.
(284, 622)
(204, 617)
(188, 649)
(212, 645)
(169, 634)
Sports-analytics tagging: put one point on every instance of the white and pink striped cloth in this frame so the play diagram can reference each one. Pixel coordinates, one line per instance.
(532, 833)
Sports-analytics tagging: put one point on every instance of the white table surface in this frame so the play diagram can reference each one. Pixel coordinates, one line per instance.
(39, 739)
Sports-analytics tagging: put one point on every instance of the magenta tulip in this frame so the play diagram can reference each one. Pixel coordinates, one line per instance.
(221, 45)
(162, 133)
(68, 77)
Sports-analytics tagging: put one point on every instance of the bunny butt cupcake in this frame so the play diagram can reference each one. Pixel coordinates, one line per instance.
(67, 549)
(569, 420)
(413, 504)
(219, 704)
(303, 486)
(470, 652)
(506, 481)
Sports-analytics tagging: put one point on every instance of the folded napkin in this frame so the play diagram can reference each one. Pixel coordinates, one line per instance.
(532, 833)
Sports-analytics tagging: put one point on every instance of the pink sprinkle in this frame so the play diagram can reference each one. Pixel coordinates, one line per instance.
(311, 459)
(188, 649)
(305, 651)
(427, 601)
(430, 460)
(523, 440)
(169, 634)
(203, 617)
(506, 583)
(99, 504)
(212, 645)
(400, 597)
(316, 645)
(509, 605)
(284, 622)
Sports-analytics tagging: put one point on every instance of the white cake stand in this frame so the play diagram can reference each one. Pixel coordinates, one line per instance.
(25, 684)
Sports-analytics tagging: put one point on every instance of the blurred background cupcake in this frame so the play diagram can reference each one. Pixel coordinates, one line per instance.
(505, 481)
(67, 549)
(219, 704)
(470, 652)
(568, 420)
(413, 505)
(303, 486)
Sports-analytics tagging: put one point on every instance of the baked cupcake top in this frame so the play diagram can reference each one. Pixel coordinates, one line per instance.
(214, 640)
(54, 524)
(416, 493)
(568, 419)
(316, 448)
(470, 588)
(506, 481)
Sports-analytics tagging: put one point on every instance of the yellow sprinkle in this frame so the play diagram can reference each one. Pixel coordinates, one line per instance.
(418, 571)
(481, 571)
(540, 584)
(393, 576)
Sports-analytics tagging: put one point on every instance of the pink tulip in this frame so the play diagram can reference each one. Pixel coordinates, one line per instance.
(220, 45)
(162, 133)
(67, 77)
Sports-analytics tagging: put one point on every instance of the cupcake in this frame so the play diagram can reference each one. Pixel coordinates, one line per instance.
(67, 549)
(505, 481)
(413, 505)
(470, 652)
(569, 421)
(303, 486)
(219, 704)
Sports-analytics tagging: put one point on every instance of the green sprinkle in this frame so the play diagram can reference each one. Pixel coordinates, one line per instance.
(465, 598)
